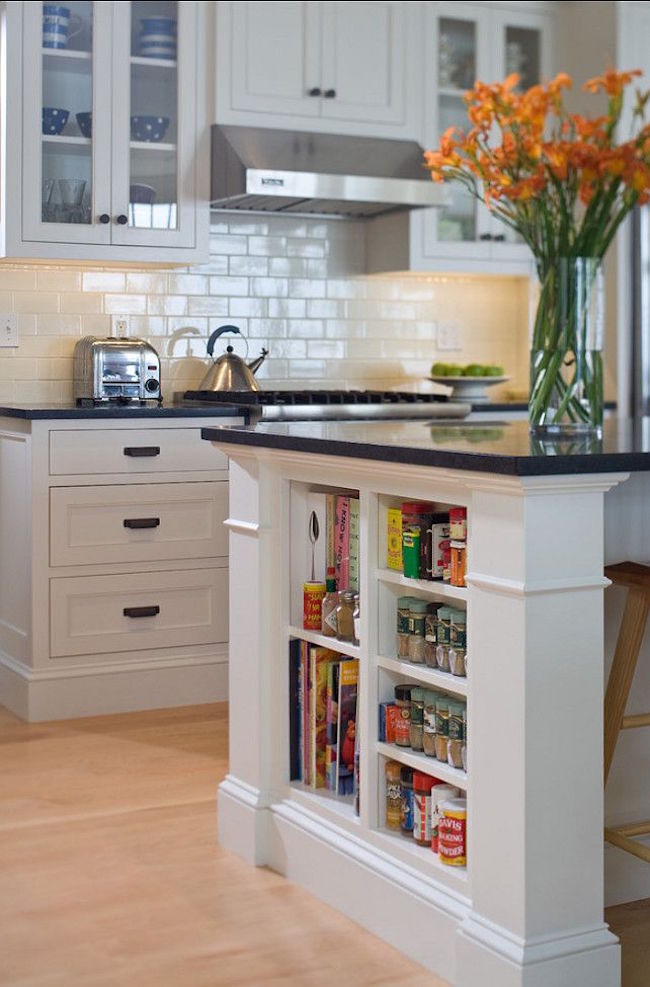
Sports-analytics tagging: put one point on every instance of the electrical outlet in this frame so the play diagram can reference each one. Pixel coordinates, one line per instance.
(120, 326)
(9, 330)
(449, 336)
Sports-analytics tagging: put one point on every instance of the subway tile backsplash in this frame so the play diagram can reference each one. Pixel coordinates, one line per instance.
(292, 285)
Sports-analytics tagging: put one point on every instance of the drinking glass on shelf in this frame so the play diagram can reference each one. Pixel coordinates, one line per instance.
(47, 211)
(72, 193)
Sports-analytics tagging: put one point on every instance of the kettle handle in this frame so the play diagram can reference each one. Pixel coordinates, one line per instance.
(219, 332)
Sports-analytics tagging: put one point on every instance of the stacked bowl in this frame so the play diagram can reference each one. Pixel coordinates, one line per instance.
(158, 37)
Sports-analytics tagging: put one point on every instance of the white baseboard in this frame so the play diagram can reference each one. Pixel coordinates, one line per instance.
(64, 692)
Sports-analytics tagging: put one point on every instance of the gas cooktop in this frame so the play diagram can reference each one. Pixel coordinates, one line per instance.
(319, 405)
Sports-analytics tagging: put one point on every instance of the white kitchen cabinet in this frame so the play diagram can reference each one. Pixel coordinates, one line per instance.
(327, 67)
(465, 42)
(87, 177)
(113, 566)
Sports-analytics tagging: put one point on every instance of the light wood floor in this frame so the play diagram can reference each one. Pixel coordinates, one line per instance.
(110, 873)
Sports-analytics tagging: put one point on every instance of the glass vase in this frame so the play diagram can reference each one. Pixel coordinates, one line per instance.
(566, 363)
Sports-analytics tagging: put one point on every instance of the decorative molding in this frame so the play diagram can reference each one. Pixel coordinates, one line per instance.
(108, 668)
(536, 949)
(243, 527)
(516, 587)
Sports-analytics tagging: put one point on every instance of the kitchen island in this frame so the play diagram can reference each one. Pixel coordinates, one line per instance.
(528, 908)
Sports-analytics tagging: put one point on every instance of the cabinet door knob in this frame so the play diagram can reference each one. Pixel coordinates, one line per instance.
(104, 218)
(485, 236)
(330, 94)
(121, 220)
(314, 92)
(500, 237)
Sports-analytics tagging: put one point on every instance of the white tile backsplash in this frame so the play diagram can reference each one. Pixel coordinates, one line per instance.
(291, 285)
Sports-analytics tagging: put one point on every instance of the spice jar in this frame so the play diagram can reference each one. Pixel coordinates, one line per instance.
(312, 605)
(439, 542)
(455, 739)
(431, 634)
(403, 610)
(411, 552)
(443, 631)
(452, 832)
(417, 718)
(422, 785)
(345, 616)
(403, 721)
(356, 618)
(457, 642)
(429, 723)
(463, 750)
(393, 795)
(458, 523)
(458, 562)
(442, 727)
(418, 515)
(329, 625)
(439, 794)
(406, 824)
(417, 618)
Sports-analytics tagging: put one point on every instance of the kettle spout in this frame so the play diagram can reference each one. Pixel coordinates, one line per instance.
(255, 365)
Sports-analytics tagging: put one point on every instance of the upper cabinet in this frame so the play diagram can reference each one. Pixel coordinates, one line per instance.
(108, 98)
(332, 67)
(465, 42)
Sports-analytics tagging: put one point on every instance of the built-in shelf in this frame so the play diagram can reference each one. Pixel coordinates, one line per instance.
(62, 144)
(152, 146)
(67, 54)
(322, 801)
(423, 859)
(452, 91)
(420, 762)
(434, 587)
(153, 63)
(427, 676)
(343, 647)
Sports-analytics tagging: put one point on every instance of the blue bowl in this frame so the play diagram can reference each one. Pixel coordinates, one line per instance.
(85, 121)
(54, 119)
(158, 25)
(149, 128)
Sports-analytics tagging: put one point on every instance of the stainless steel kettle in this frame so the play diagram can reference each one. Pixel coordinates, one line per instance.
(229, 372)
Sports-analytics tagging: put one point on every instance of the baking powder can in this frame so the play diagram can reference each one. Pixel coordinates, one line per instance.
(452, 832)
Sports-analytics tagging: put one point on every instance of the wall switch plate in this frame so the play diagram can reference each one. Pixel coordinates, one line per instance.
(449, 336)
(120, 326)
(9, 329)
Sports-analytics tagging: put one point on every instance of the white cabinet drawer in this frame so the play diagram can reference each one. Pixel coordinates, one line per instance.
(138, 523)
(133, 450)
(103, 614)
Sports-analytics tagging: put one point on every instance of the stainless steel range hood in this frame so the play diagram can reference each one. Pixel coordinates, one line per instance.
(282, 171)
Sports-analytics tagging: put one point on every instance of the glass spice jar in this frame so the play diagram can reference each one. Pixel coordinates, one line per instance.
(356, 618)
(455, 739)
(442, 727)
(417, 618)
(457, 642)
(403, 610)
(458, 523)
(407, 801)
(463, 750)
(403, 718)
(330, 602)
(345, 617)
(429, 723)
(417, 719)
(422, 785)
(431, 634)
(458, 563)
(393, 795)
(444, 636)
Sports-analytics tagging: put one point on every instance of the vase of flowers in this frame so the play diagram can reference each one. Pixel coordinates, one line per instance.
(564, 184)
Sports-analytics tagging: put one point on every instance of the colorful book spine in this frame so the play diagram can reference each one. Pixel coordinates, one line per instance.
(305, 733)
(355, 522)
(346, 728)
(318, 662)
(332, 718)
(294, 710)
(330, 513)
(342, 541)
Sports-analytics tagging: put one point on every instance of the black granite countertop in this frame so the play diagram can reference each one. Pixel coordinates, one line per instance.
(189, 409)
(490, 447)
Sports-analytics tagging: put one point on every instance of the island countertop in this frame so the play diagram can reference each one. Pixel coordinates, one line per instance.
(492, 447)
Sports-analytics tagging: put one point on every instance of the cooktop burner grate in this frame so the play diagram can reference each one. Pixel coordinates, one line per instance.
(316, 397)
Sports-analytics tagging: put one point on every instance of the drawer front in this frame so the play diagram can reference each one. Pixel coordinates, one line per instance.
(137, 450)
(138, 523)
(103, 614)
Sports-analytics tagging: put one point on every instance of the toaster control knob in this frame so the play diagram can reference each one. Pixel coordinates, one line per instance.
(152, 384)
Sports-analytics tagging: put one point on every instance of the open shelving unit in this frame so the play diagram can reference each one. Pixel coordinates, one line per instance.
(379, 672)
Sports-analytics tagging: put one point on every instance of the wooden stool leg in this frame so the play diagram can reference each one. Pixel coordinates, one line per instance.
(628, 645)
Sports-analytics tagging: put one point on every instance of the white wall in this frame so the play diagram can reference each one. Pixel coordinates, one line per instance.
(291, 285)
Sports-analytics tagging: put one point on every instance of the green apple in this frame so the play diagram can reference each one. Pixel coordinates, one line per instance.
(474, 370)
(494, 370)
(439, 370)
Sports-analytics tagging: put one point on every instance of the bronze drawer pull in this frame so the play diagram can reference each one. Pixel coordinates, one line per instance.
(141, 611)
(142, 450)
(141, 522)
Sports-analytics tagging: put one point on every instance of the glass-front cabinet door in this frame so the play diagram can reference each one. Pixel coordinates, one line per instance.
(66, 122)
(154, 123)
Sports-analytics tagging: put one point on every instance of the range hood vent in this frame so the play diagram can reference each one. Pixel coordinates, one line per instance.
(282, 171)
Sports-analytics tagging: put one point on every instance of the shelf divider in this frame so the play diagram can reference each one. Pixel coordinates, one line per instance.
(433, 587)
(422, 673)
(420, 762)
(343, 647)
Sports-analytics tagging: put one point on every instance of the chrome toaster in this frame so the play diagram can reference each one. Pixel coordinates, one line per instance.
(121, 370)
